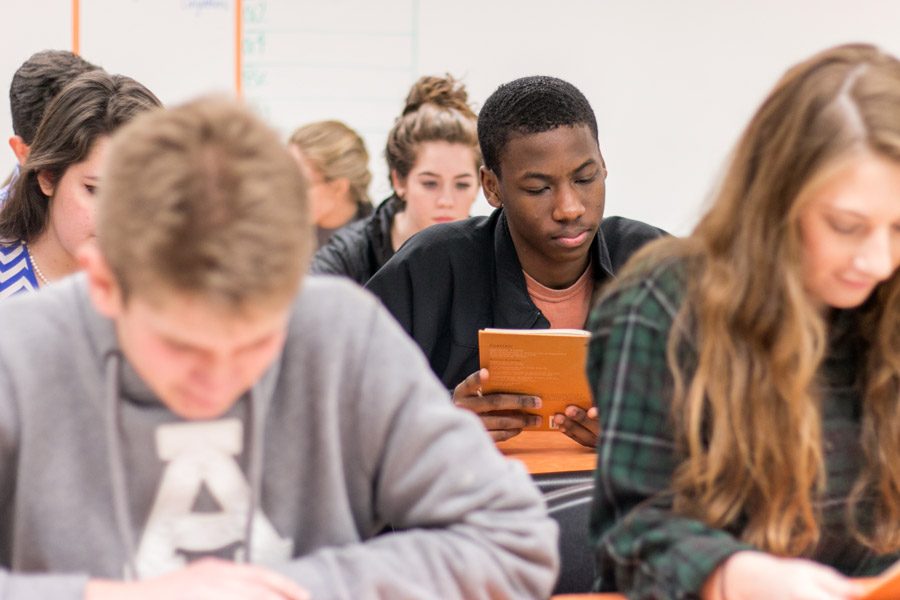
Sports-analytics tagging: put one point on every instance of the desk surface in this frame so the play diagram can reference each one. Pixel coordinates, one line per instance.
(549, 452)
(588, 597)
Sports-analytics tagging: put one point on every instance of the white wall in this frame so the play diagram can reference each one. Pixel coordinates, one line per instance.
(18, 43)
(672, 83)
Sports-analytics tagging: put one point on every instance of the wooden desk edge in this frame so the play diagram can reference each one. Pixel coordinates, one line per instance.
(589, 597)
(545, 452)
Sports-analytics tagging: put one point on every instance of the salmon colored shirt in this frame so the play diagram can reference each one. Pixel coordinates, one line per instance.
(567, 308)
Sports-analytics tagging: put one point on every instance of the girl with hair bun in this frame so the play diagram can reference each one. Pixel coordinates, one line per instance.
(433, 157)
(747, 377)
(335, 163)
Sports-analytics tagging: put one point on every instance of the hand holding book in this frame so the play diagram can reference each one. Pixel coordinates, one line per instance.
(547, 364)
(581, 425)
(503, 414)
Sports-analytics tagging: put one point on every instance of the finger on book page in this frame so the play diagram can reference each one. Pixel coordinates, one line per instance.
(494, 421)
(583, 429)
(470, 386)
(492, 402)
(501, 435)
(588, 418)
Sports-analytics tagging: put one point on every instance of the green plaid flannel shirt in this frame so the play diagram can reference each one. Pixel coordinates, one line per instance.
(643, 549)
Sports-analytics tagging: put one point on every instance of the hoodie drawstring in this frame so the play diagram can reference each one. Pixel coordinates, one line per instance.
(116, 464)
(121, 508)
(254, 469)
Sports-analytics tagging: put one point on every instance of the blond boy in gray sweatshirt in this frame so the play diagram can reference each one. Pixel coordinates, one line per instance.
(192, 417)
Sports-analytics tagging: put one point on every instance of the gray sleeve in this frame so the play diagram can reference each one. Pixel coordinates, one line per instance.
(468, 522)
(18, 586)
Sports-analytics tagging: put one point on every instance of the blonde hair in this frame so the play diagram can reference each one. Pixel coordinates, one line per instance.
(337, 152)
(204, 199)
(746, 400)
(436, 110)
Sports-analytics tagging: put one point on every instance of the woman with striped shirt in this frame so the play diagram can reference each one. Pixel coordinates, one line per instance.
(50, 212)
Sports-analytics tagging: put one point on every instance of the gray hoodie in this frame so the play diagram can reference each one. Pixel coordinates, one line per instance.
(347, 432)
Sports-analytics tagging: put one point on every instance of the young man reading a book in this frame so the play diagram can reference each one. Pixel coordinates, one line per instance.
(535, 263)
(192, 396)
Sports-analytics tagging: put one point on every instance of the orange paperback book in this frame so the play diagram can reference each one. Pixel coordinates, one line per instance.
(549, 363)
(884, 587)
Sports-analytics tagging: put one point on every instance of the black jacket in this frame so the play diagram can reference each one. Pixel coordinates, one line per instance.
(450, 280)
(362, 247)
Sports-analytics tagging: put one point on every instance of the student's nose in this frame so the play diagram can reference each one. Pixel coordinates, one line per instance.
(568, 205)
(214, 372)
(877, 257)
(445, 198)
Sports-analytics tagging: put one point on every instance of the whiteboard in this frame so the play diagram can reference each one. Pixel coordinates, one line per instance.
(25, 28)
(672, 83)
(353, 60)
(177, 48)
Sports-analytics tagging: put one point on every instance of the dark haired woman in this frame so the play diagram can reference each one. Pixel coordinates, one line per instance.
(51, 210)
(433, 156)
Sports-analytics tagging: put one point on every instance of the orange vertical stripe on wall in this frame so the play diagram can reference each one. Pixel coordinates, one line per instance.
(238, 46)
(76, 27)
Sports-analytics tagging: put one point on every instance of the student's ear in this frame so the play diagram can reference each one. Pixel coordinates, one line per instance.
(399, 184)
(103, 289)
(19, 148)
(491, 186)
(340, 186)
(45, 180)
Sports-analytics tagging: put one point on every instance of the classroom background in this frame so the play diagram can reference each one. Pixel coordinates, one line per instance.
(672, 83)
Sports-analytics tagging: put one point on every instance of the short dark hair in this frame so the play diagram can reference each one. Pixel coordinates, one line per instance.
(37, 82)
(529, 105)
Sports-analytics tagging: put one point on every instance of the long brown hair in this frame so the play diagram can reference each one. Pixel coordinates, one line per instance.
(90, 106)
(746, 405)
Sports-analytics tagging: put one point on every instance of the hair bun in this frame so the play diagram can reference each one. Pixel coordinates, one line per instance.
(445, 92)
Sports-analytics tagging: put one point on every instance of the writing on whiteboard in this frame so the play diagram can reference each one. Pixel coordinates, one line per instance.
(199, 5)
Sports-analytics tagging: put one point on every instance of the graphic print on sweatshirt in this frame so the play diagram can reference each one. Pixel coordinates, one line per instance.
(201, 464)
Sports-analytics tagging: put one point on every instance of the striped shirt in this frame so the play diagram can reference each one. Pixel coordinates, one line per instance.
(6, 190)
(16, 270)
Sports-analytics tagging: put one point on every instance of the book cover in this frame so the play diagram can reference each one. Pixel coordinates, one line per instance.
(549, 363)
(883, 587)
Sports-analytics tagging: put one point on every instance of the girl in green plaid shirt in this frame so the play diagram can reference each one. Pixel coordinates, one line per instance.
(748, 377)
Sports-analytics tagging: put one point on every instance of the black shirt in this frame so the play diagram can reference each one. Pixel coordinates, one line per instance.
(452, 279)
(360, 248)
